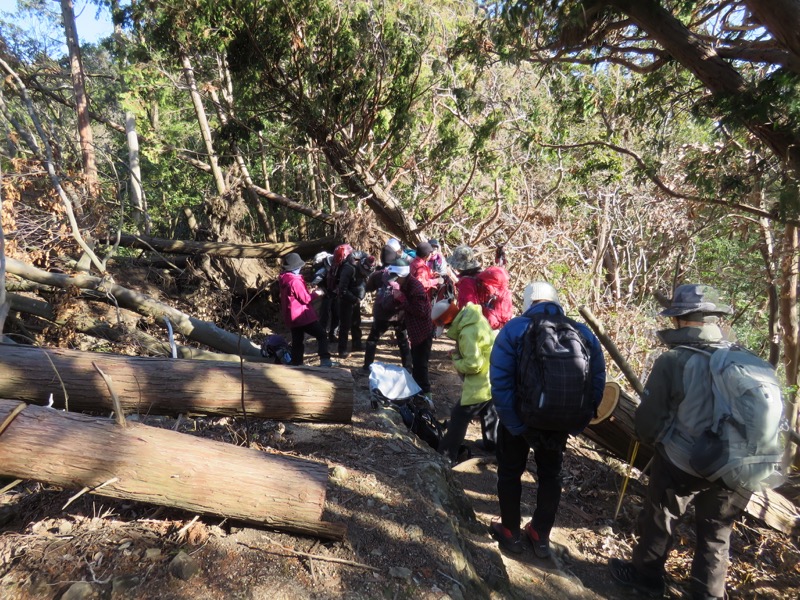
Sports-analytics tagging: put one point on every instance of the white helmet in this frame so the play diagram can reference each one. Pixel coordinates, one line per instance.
(538, 291)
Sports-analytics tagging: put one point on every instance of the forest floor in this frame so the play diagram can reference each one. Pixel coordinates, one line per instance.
(416, 527)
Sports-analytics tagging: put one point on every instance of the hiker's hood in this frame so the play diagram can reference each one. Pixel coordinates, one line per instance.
(469, 315)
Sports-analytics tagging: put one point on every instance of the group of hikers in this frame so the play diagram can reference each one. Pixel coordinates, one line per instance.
(533, 380)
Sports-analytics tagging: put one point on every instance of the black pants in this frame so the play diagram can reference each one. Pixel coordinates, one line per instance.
(349, 323)
(716, 508)
(299, 345)
(512, 458)
(329, 315)
(460, 417)
(325, 309)
(420, 357)
(381, 326)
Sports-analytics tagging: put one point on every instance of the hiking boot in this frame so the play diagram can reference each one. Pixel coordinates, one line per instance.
(541, 545)
(507, 540)
(624, 573)
(325, 362)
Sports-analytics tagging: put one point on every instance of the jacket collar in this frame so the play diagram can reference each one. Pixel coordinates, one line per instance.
(708, 333)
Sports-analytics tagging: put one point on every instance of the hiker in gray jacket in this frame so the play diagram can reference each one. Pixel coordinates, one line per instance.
(673, 483)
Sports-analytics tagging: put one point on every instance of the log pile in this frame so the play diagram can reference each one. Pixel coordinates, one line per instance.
(148, 464)
(174, 386)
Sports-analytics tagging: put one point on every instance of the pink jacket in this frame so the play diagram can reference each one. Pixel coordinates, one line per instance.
(295, 301)
(422, 272)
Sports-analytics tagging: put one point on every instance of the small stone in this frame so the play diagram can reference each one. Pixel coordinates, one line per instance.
(605, 530)
(183, 566)
(152, 554)
(376, 552)
(339, 473)
(82, 590)
(414, 533)
(64, 527)
(123, 584)
(400, 573)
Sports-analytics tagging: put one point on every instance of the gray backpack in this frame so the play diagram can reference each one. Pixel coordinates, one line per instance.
(741, 444)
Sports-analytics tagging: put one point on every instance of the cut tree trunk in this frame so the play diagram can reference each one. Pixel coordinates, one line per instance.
(617, 434)
(148, 464)
(271, 250)
(174, 386)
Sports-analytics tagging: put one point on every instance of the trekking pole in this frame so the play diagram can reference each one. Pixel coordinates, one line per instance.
(626, 369)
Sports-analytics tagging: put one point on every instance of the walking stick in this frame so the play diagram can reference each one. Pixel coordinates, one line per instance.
(626, 369)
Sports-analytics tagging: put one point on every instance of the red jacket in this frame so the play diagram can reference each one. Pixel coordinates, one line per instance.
(423, 273)
(295, 301)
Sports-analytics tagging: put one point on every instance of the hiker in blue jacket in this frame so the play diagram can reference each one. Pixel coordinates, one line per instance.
(515, 439)
(673, 483)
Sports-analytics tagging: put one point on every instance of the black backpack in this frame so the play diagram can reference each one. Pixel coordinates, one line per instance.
(417, 416)
(553, 386)
(384, 297)
(421, 422)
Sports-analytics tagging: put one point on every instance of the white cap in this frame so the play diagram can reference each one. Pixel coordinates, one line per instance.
(538, 291)
(394, 245)
(399, 271)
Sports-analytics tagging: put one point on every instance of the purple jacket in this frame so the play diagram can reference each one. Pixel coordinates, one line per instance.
(295, 301)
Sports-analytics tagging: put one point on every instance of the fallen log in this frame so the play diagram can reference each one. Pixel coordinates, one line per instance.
(306, 249)
(148, 464)
(123, 332)
(199, 331)
(151, 385)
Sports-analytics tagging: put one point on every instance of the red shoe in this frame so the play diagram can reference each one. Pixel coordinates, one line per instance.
(508, 541)
(541, 545)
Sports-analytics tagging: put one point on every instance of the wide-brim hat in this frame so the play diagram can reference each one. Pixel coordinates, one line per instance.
(691, 298)
(292, 262)
(463, 259)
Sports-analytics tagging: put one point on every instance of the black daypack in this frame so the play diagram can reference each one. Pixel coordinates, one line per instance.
(553, 387)
(416, 414)
(421, 422)
(384, 297)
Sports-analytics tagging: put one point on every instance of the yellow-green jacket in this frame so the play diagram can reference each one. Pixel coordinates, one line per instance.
(474, 338)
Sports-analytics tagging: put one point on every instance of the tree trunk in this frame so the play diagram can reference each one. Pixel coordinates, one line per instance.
(3, 299)
(205, 130)
(81, 100)
(305, 249)
(148, 464)
(174, 386)
(194, 329)
(223, 111)
(789, 325)
(140, 217)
